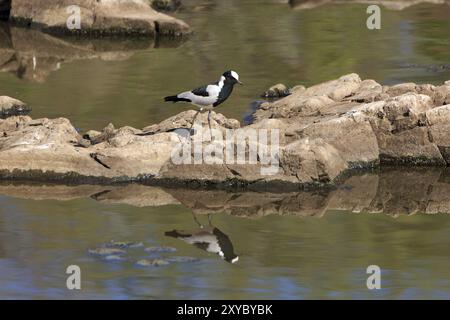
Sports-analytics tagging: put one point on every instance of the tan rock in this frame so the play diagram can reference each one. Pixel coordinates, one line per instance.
(11, 107)
(98, 16)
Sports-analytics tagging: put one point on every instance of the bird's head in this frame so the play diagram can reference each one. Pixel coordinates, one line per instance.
(232, 77)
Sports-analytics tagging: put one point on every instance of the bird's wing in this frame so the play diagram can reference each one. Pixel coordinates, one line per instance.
(201, 91)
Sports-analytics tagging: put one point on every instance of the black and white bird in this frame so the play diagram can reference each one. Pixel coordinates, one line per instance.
(209, 96)
(208, 238)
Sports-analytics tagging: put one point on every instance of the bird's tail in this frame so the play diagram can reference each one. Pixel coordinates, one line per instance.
(172, 98)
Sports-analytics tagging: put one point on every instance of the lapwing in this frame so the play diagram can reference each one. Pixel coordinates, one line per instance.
(208, 96)
(209, 239)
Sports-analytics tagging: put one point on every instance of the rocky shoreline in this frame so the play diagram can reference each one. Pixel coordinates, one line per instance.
(96, 17)
(326, 133)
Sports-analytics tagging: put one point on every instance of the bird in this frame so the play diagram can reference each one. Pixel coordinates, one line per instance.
(208, 238)
(209, 96)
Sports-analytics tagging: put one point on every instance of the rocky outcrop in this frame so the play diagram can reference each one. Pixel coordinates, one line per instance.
(12, 107)
(321, 134)
(100, 17)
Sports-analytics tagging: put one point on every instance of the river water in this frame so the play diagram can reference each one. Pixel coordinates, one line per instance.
(290, 246)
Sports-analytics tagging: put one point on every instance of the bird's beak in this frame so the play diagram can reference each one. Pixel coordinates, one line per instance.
(240, 83)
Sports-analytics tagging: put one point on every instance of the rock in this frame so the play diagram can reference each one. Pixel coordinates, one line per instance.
(166, 5)
(182, 259)
(276, 91)
(312, 100)
(105, 17)
(439, 134)
(12, 107)
(183, 120)
(160, 249)
(368, 91)
(114, 257)
(107, 251)
(153, 263)
(321, 134)
(123, 244)
(91, 135)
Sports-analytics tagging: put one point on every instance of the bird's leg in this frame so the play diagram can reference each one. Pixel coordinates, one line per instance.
(193, 120)
(209, 124)
(209, 219)
(196, 220)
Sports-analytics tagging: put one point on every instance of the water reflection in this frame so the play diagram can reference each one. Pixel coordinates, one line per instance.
(208, 238)
(390, 191)
(33, 55)
(391, 4)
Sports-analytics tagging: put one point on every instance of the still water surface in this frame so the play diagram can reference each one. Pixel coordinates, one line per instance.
(312, 248)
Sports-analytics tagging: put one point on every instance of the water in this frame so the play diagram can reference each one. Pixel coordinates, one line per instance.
(290, 246)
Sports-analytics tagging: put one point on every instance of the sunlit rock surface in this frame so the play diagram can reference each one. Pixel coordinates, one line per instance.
(326, 132)
(104, 17)
(11, 107)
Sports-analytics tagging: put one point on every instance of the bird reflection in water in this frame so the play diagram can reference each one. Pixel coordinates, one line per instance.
(208, 238)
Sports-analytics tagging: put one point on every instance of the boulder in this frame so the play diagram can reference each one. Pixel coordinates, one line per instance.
(105, 17)
(276, 91)
(12, 107)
